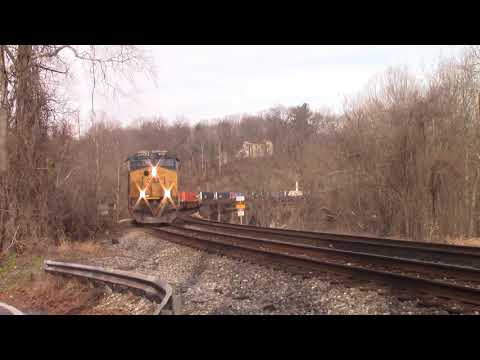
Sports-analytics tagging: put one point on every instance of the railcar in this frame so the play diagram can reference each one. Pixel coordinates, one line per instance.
(188, 200)
(223, 195)
(207, 196)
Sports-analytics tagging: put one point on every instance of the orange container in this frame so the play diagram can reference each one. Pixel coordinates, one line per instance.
(188, 196)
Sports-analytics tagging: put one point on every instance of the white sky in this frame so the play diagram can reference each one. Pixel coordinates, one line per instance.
(203, 82)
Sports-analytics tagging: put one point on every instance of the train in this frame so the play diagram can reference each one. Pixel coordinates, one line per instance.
(153, 193)
(154, 196)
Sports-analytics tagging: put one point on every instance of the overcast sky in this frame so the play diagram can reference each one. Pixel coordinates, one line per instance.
(203, 82)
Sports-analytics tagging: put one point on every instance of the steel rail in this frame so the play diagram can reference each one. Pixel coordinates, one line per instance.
(429, 268)
(239, 246)
(454, 255)
(331, 235)
(153, 287)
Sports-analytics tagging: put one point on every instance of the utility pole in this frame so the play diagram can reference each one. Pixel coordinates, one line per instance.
(219, 158)
(203, 171)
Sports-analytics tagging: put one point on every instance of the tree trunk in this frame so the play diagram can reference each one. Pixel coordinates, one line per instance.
(3, 114)
(473, 203)
(24, 88)
(117, 196)
(97, 176)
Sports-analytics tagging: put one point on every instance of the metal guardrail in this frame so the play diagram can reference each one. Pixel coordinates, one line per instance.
(6, 309)
(153, 287)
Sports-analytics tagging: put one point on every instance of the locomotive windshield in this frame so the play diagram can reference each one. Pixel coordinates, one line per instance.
(146, 159)
(168, 163)
(138, 164)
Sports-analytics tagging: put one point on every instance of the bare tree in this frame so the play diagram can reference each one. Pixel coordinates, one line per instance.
(33, 200)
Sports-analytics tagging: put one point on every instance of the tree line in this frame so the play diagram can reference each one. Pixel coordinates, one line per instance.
(401, 159)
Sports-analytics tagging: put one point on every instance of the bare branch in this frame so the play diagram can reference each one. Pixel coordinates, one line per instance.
(50, 69)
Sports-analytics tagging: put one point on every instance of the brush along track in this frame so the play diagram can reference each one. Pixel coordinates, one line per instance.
(440, 253)
(154, 288)
(398, 274)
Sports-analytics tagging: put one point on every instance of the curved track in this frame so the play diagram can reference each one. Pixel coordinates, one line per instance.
(445, 275)
(445, 254)
(338, 236)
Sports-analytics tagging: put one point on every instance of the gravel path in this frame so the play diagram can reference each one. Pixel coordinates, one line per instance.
(212, 284)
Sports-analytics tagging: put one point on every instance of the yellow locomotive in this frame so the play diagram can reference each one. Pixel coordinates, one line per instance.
(153, 186)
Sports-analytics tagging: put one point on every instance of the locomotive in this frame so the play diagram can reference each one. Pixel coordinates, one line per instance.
(153, 195)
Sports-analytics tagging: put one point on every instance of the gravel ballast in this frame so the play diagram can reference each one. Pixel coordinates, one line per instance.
(208, 283)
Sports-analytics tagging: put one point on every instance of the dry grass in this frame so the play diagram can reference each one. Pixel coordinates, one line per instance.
(24, 284)
(464, 241)
(79, 248)
(15, 270)
(53, 295)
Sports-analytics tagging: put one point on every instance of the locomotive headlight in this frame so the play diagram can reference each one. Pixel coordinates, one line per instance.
(167, 193)
(154, 171)
(142, 194)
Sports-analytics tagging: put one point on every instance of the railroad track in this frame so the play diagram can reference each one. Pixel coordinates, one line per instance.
(441, 253)
(449, 284)
(153, 288)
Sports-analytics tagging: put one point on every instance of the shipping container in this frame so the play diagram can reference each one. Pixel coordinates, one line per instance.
(223, 195)
(188, 196)
(207, 195)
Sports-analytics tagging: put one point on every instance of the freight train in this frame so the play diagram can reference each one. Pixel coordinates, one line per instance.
(154, 196)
